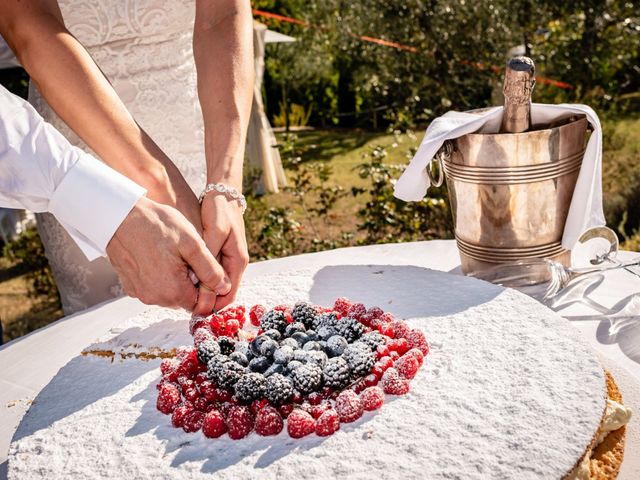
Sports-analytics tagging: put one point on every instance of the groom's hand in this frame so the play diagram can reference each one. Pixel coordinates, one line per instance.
(152, 252)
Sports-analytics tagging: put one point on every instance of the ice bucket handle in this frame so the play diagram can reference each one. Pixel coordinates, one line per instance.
(444, 153)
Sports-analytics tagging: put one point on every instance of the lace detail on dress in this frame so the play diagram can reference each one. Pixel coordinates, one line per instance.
(144, 47)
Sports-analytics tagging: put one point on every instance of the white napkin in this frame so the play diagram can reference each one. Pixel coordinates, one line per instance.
(585, 210)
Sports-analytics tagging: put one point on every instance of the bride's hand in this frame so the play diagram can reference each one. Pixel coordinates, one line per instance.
(224, 234)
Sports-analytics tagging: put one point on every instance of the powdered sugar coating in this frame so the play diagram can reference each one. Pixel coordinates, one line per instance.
(507, 391)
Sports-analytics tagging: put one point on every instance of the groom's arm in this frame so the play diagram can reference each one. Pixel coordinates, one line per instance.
(103, 211)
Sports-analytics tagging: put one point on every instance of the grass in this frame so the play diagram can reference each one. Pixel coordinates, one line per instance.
(20, 312)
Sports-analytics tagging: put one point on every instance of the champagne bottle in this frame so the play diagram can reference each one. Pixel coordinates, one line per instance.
(519, 81)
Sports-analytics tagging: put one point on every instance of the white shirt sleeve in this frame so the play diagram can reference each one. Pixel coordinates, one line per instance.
(41, 171)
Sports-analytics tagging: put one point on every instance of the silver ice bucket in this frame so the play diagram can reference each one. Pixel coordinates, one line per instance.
(510, 192)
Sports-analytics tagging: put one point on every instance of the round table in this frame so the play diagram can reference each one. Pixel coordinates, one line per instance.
(605, 309)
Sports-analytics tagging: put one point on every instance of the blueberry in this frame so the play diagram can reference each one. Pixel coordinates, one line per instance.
(311, 345)
(290, 342)
(240, 358)
(293, 328)
(324, 333)
(275, 368)
(273, 334)
(300, 355)
(312, 336)
(293, 364)
(300, 337)
(259, 364)
(256, 343)
(283, 355)
(317, 357)
(336, 345)
(268, 347)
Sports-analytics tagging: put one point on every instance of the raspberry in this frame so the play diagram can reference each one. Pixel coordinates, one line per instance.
(342, 305)
(382, 351)
(393, 383)
(407, 367)
(168, 398)
(255, 313)
(371, 380)
(239, 422)
(202, 334)
(282, 308)
(168, 365)
(375, 312)
(415, 353)
(179, 414)
(223, 395)
(232, 326)
(416, 339)
(257, 405)
(196, 322)
(359, 386)
(269, 422)
(201, 378)
(372, 398)
(201, 404)
(386, 329)
(400, 328)
(349, 406)
(328, 423)
(191, 394)
(357, 310)
(217, 324)
(317, 410)
(286, 409)
(314, 398)
(387, 317)
(193, 421)
(300, 424)
(213, 425)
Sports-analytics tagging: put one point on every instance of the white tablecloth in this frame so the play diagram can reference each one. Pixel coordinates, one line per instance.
(29, 363)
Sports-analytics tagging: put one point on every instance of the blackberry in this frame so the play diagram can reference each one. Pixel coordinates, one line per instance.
(325, 320)
(250, 387)
(207, 350)
(360, 358)
(293, 328)
(227, 345)
(274, 319)
(307, 378)
(373, 339)
(304, 313)
(337, 374)
(350, 329)
(240, 358)
(278, 389)
(224, 375)
(336, 345)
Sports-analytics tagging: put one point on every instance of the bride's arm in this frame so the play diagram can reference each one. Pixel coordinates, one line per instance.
(223, 52)
(79, 93)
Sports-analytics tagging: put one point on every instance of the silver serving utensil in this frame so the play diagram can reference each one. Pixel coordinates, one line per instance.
(547, 276)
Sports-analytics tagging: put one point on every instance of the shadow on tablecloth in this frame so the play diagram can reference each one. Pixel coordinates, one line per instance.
(405, 291)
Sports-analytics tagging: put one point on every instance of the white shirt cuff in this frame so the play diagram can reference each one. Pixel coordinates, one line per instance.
(91, 202)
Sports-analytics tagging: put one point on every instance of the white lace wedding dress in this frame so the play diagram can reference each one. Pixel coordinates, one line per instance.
(144, 47)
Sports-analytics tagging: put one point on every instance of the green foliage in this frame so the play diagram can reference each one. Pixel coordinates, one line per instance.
(593, 45)
(27, 251)
(298, 115)
(385, 219)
